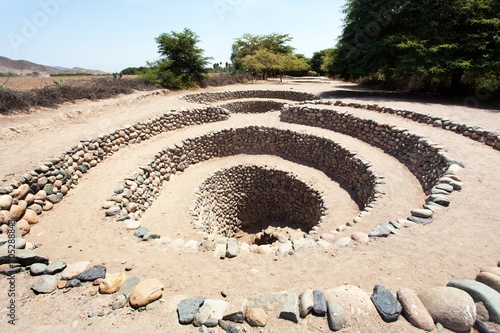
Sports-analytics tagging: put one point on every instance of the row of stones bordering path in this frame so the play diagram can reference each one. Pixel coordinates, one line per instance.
(47, 184)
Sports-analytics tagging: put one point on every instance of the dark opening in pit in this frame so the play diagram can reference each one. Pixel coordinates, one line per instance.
(257, 205)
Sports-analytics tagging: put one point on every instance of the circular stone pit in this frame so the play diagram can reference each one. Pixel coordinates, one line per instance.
(255, 204)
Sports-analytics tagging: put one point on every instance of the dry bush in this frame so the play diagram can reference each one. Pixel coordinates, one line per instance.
(225, 79)
(51, 96)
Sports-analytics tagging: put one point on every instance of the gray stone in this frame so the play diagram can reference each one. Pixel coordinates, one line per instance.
(92, 274)
(228, 327)
(207, 246)
(150, 236)
(423, 213)
(440, 200)
(202, 315)
(386, 303)
(125, 291)
(73, 283)
(12, 271)
(290, 310)
(481, 293)
(38, 269)
(306, 302)
(320, 308)
(45, 284)
(444, 187)
(451, 307)
(55, 267)
(187, 309)
(380, 230)
(113, 211)
(421, 220)
(55, 198)
(23, 257)
(232, 248)
(336, 316)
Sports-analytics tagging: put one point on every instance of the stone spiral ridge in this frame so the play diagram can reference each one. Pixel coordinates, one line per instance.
(208, 97)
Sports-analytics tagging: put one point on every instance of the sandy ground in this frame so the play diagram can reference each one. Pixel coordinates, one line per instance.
(462, 238)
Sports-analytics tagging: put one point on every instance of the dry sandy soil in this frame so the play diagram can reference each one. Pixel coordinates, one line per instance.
(462, 238)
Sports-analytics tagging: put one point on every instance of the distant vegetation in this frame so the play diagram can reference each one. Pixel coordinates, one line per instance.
(74, 74)
(51, 96)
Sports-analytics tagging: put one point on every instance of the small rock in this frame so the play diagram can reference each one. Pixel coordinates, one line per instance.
(481, 312)
(146, 292)
(218, 308)
(71, 271)
(38, 269)
(290, 310)
(232, 248)
(207, 246)
(303, 243)
(73, 283)
(451, 307)
(202, 315)
(141, 232)
(481, 293)
(421, 220)
(360, 237)
(256, 317)
(344, 241)
(386, 303)
(236, 311)
(55, 267)
(191, 245)
(45, 284)
(187, 309)
(482, 327)
(31, 216)
(16, 211)
(23, 226)
(113, 211)
(5, 202)
(285, 248)
(336, 316)
(112, 283)
(320, 308)
(92, 274)
(62, 284)
(126, 289)
(380, 230)
(489, 279)
(132, 224)
(424, 213)
(23, 257)
(414, 310)
(306, 302)
(150, 236)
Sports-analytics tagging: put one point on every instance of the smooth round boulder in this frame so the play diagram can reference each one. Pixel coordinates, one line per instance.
(414, 310)
(31, 216)
(489, 279)
(23, 226)
(451, 307)
(5, 202)
(147, 291)
(16, 211)
(112, 283)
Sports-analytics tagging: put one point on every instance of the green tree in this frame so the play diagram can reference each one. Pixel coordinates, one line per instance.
(181, 65)
(248, 44)
(425, 41)
(319, 58)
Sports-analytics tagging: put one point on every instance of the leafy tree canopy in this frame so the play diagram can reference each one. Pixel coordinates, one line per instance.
(267, 54)
(181, 63)
(427, 41)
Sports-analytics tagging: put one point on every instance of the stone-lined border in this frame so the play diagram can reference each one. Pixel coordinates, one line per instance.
(253, 106)
(211, 97)
(235, 198)
(38, 190)
(476, 133)
(140, 190)
(425, 160)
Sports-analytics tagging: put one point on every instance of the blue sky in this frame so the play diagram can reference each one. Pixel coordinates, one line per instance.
(114, 34)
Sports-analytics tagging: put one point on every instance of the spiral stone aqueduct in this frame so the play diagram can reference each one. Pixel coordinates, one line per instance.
(300, 181)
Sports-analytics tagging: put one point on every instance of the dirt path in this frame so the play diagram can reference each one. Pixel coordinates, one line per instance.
(462, 238)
